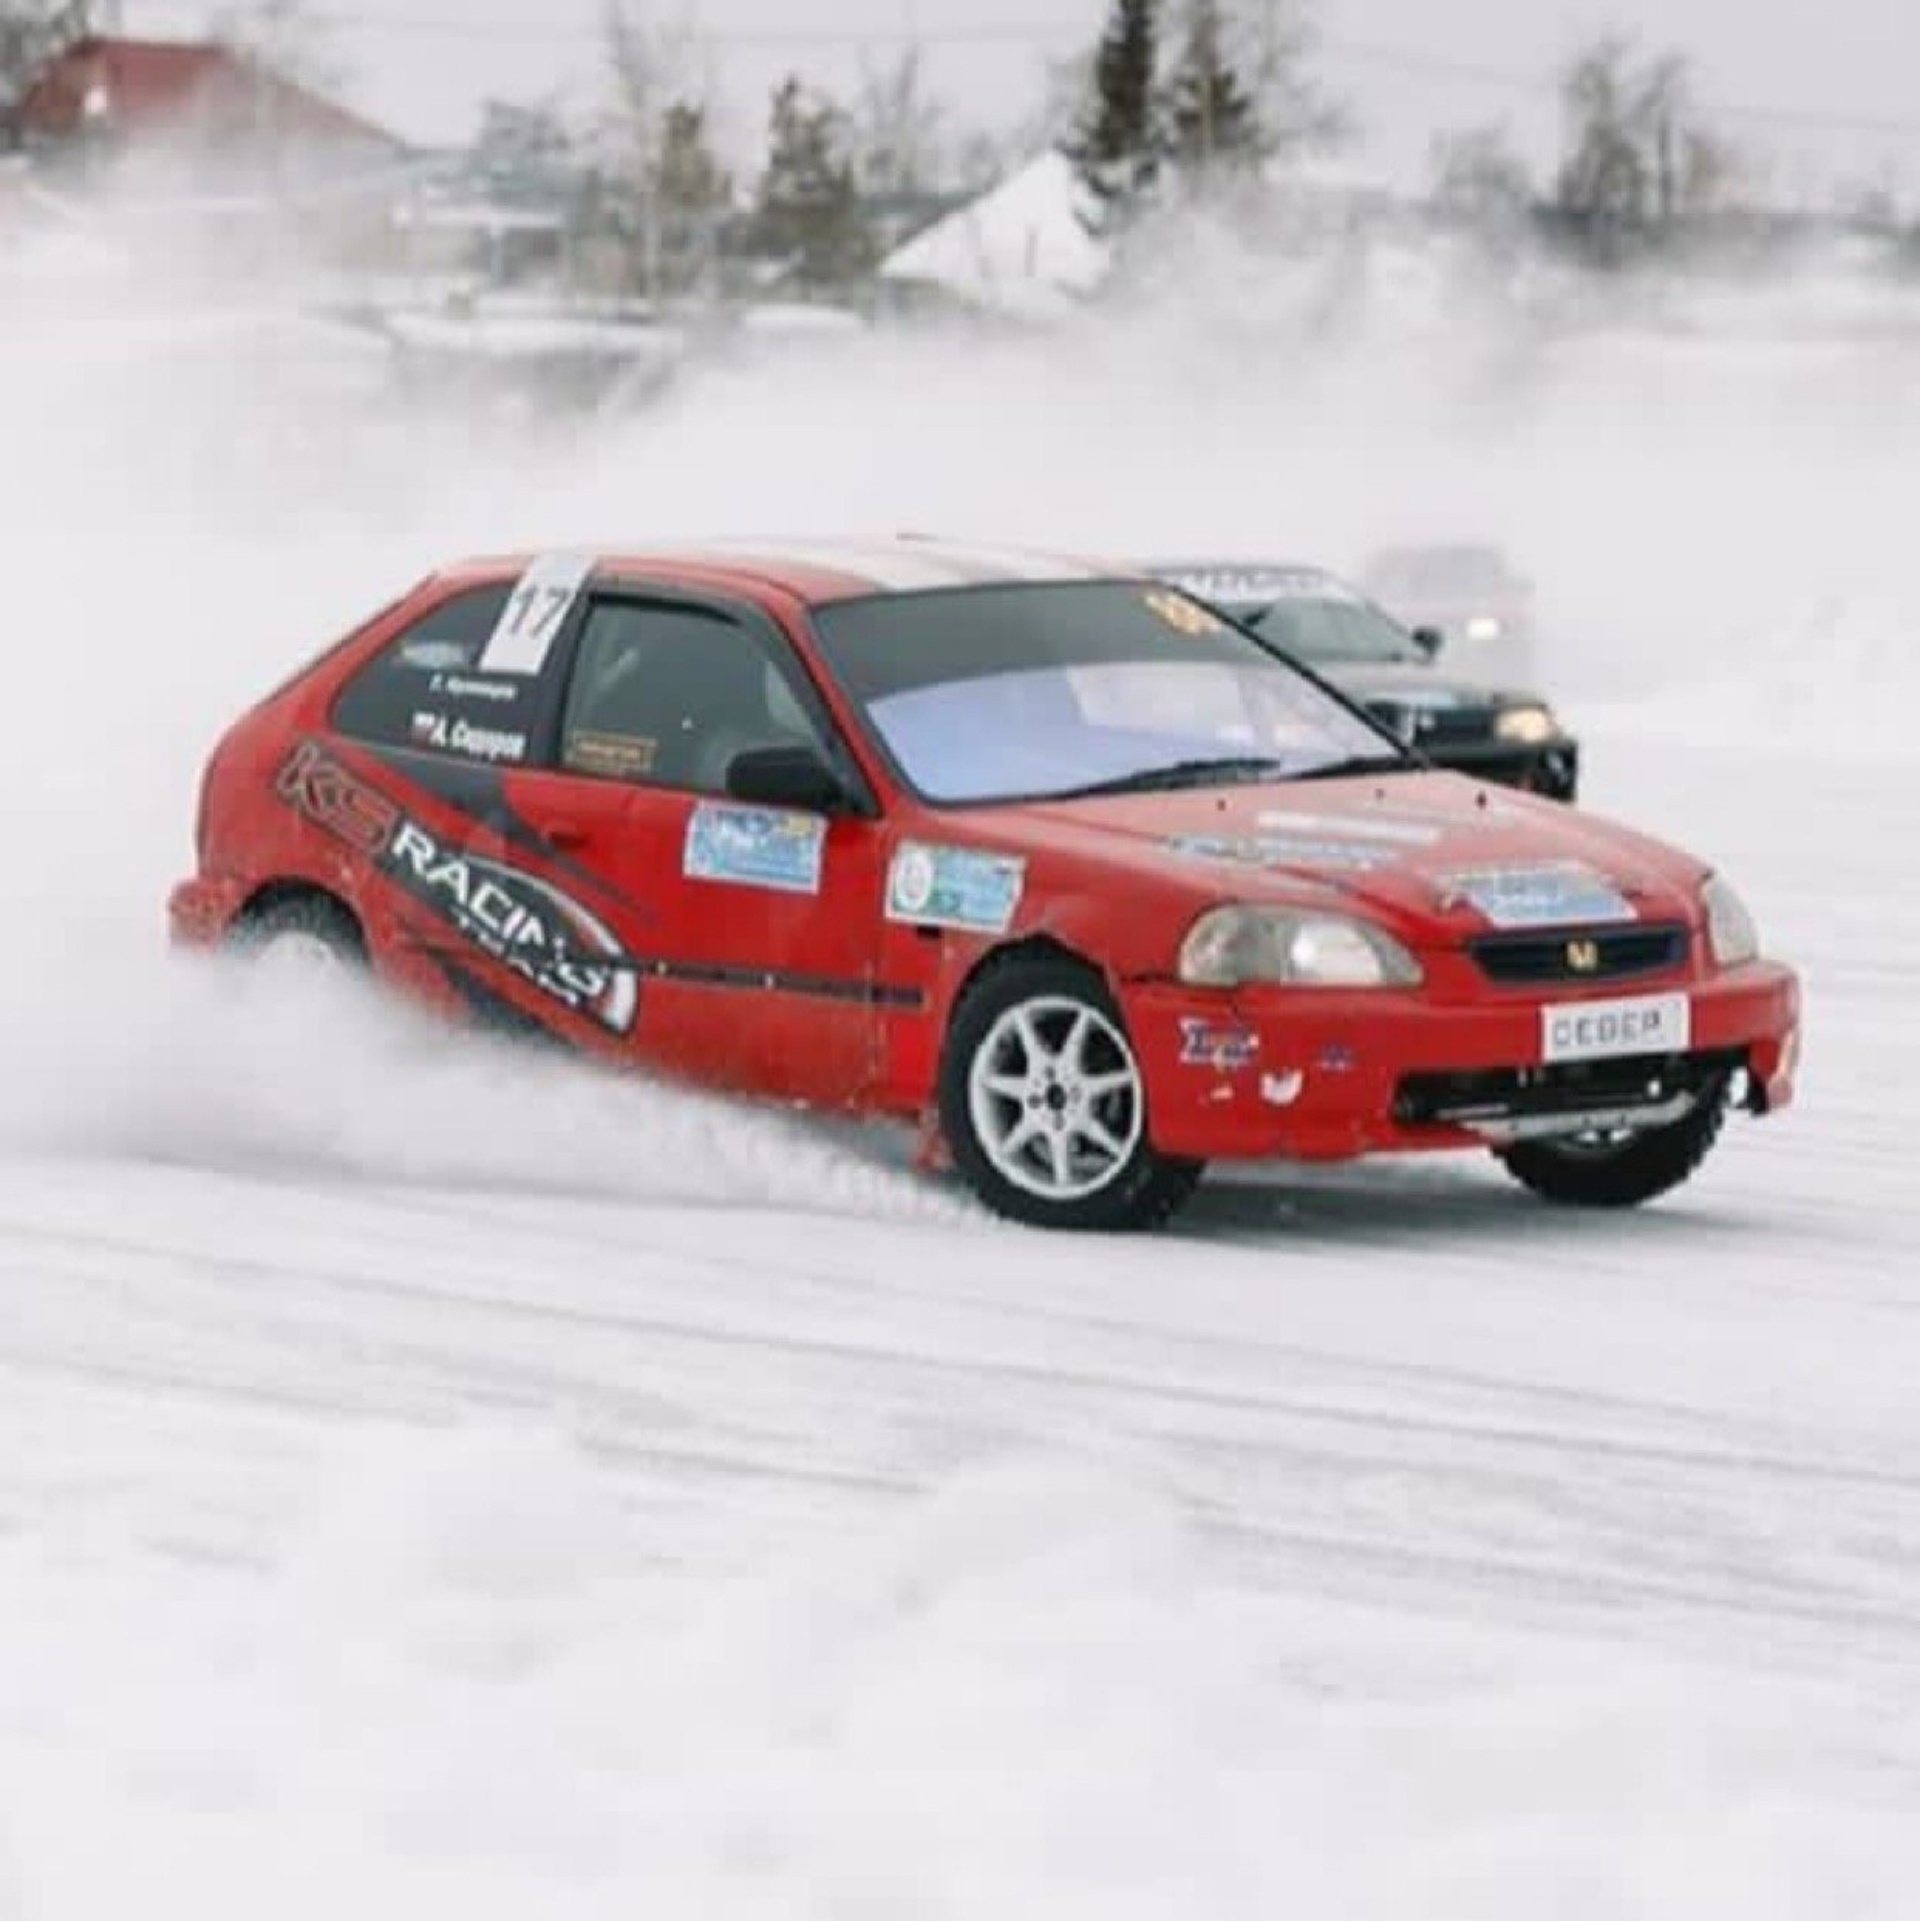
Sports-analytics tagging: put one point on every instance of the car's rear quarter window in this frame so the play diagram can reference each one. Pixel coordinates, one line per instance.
(423, 689)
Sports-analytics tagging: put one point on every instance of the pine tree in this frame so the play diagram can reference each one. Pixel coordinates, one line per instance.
(1115, 149)
(1213, 123)
(809, 213)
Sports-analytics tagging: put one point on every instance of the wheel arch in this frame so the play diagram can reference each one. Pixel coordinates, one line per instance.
(270, 896)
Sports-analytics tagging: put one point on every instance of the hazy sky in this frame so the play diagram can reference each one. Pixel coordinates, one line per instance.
(1406, 65)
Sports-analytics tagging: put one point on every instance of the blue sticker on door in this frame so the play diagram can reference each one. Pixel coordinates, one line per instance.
(954, 887)
(756, 847)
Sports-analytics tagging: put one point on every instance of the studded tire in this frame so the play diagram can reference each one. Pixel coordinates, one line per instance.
(312, 926)
(1114, 1179)
(1637, 1168)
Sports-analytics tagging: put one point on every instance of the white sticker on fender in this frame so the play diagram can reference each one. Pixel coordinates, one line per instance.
(535, 612)
(1607, 1030)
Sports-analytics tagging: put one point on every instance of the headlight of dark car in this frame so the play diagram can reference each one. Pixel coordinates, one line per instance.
(1530, 726)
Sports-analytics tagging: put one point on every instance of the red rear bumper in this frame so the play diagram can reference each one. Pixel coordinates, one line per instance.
(1315, 1074)
(200, 911)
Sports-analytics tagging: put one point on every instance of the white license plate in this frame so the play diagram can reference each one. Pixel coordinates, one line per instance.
(1605, 1030)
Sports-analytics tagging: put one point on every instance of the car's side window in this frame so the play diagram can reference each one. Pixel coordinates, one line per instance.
(424, 690)
(667, 694)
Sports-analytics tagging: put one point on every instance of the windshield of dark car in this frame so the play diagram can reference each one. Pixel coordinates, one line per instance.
(1331, 629)
(996, 693)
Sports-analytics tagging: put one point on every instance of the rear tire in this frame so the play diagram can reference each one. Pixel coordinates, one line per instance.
(1583, 1171)
(1044, 1105)
(310, 933)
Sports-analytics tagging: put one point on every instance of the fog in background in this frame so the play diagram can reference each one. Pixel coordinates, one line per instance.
(378, 1533)
(1828, 90)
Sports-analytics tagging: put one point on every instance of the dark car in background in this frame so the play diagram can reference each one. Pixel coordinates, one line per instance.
(1473, 595)
(1505, 734)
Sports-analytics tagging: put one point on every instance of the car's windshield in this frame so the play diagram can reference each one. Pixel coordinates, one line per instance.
(998, 693)
(1330, 628)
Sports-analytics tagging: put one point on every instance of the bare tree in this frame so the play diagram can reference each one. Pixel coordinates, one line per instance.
(1480, 179)
(663, 190)
(1280, 41)
(1640, 161)
(285, 38)
(897, 128)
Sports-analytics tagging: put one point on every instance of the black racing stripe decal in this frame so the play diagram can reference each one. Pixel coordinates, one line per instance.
(832, 987)
(494, 1011)
(774, 980)
(480, 794)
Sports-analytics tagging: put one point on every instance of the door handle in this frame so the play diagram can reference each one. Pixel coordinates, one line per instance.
(567, 832)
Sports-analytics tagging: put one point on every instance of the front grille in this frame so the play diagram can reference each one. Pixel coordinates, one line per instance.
(1509, 1095)
(1579, 954)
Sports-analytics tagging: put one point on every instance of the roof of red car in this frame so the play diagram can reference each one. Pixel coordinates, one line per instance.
(818, 571)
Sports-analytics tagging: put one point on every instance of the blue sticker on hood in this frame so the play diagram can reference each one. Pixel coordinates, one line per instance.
(1561, 894)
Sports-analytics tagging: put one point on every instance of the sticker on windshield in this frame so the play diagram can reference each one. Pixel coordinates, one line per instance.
(1268, 584)
(1559, 894)
(931, 886)
(1184, 616)
(535, 612)
(756, 847)
(1285, 850)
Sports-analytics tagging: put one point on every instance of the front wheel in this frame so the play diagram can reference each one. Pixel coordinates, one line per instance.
(1045, 1108)
(1619, 1169)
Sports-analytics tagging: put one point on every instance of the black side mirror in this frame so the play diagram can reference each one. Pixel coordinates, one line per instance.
(789, 776)
(1429, 640)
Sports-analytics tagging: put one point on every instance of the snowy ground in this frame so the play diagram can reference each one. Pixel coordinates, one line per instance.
(434, 1482)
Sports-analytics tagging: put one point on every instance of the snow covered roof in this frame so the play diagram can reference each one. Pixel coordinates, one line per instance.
(1021, 248)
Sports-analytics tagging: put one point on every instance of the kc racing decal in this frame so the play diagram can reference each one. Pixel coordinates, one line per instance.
(930, 886)
(546, 936)
(769, 847)
(1556, 894)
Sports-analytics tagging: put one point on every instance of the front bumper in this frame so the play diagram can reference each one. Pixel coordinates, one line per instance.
(1322, 1074)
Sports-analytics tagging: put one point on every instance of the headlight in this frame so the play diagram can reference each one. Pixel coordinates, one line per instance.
(1230, 946)
(1528, 725)
(1483, 627)
(1730, 930)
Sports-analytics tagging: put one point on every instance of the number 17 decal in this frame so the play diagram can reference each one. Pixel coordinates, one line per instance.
(534, 614)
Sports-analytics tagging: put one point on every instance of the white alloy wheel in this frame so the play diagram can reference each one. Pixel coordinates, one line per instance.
(1054, 1095)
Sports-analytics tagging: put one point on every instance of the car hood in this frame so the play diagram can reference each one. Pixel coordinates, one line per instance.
(1409, 684)
(1437, 856)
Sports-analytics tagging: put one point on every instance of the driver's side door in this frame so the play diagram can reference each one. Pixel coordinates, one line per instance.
(754, 930)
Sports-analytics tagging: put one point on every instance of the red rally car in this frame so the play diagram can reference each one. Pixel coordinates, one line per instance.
(1047, 859)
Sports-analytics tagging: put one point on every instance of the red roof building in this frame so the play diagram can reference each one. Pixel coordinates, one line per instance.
(118, 93)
